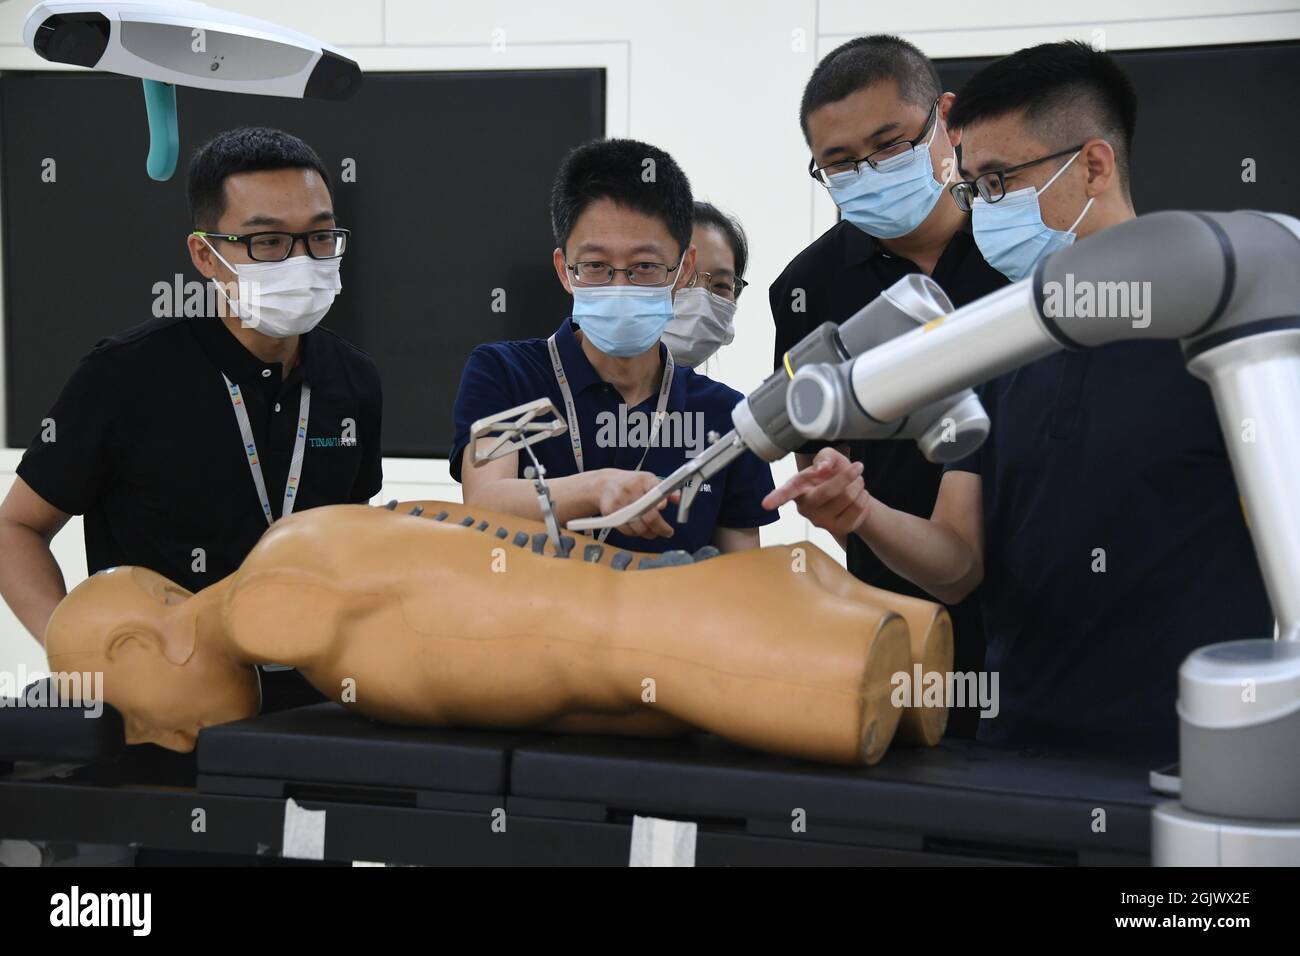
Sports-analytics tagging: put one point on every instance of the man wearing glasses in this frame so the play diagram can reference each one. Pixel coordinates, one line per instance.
(1100, 518)
(622, 216)
(182, 439)
(875, 119)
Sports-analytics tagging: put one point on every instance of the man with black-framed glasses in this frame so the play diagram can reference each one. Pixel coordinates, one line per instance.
(1004, 197)
(635, 414)
(875, 118)
(181, 440)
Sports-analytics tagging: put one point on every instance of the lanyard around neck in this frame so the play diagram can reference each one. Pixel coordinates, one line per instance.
(575, 436)
(250, 448)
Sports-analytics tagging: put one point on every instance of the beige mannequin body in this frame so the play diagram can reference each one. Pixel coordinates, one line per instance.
(422, 622)
(929, 624)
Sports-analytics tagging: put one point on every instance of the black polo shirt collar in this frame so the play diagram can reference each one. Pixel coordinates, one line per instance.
(860, 248)
(240, 365)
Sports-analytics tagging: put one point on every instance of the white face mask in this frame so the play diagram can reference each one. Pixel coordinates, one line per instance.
(282, 299)
(702, 323)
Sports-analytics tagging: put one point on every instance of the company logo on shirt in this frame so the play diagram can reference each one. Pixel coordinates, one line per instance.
(705, 488)
(346, 438)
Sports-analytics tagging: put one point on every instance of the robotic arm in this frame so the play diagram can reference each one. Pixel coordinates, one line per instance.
(945, 429)
(1226, 285)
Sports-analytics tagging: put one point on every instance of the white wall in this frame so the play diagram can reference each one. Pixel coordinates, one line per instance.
(714, 82)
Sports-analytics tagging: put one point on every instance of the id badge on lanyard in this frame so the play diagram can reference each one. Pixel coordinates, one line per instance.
(250, 449)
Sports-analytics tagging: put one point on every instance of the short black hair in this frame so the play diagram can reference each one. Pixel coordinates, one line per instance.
(1068, 91)
(866, 61)
(244, 150)
(707, 214)
(635, 175)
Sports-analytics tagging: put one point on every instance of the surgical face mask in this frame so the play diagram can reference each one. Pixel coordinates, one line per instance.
(702, 323)
(623, 320)
(1011, 233)
(895, 197)
(282, 299)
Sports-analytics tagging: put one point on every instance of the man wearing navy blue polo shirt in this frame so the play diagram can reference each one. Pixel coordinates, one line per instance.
(622, 215)
(1101, 516)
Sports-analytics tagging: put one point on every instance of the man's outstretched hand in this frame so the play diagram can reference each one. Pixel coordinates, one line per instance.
(830, 493)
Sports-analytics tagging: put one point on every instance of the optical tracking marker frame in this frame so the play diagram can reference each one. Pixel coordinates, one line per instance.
(518, 429)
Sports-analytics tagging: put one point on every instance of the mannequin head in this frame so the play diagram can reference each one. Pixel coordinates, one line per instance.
(163, 670)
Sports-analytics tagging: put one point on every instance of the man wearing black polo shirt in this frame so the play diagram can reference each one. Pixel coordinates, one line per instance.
(1101, 516)
(622, 215)
(182, 439)
(875, 119)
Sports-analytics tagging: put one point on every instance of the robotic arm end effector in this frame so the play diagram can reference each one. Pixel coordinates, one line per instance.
(822, 407)
(812, 398)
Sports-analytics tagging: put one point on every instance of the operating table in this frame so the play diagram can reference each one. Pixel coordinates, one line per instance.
(315, 782)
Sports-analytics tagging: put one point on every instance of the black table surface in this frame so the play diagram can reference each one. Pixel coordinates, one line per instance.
(324, 743)
(959, 790)
(958, 798)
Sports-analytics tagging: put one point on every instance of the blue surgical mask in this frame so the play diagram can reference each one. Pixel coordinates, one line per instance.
(1011, 233)
(895, 197)
(623, 320)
